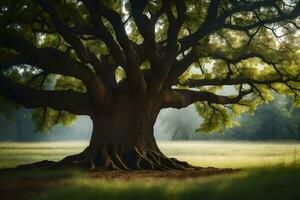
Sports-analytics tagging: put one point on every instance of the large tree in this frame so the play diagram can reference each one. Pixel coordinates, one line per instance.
(122, 61)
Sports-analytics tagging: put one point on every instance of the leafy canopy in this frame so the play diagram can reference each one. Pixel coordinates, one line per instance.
(235, 53)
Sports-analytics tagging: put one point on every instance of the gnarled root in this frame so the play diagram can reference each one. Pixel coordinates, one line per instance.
(134, 159)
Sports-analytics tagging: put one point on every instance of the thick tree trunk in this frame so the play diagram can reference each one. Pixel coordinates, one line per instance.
(124, 139)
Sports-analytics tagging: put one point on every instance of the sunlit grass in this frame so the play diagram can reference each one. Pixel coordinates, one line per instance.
(271, 170)
(201, 153)
(233, 154)
(13, 154)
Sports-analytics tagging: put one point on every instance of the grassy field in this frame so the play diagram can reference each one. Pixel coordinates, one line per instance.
(207, 153)
(270, 170)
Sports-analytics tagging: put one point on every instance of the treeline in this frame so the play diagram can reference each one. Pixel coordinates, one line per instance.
(278, 120)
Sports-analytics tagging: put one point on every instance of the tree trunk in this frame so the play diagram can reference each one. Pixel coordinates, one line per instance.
(123, 138)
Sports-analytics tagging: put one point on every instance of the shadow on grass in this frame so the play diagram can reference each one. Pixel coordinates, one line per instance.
(35, 174)
(280, 182)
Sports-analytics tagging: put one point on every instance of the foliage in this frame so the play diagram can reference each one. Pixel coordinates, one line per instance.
(252, 47)
(276, 120)
(46, 118)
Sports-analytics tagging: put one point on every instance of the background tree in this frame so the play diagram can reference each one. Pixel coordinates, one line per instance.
(121, 62)
(178, 124)
(276, 121)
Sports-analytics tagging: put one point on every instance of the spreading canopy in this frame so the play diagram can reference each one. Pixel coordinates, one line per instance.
(73, 56)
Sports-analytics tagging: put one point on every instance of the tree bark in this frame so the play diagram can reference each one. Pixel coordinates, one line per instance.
(123, 139)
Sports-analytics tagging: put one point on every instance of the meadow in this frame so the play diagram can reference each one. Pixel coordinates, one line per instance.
(269, 170)
(221, 154)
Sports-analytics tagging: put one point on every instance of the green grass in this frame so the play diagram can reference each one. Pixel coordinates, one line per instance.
(212, 153)
(13, 154)
(233, 154)
(281, 182)
(270, 170)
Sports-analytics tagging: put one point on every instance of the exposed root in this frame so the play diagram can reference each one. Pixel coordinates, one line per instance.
(136, 159)
(121, 163)
(143, 161)
(41, 164)
(74, 158)
(156, 160)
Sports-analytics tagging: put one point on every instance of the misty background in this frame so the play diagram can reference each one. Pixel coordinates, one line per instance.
(278, 120)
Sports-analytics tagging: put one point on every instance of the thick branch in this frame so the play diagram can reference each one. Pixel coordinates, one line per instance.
(48, 59)
(182, 98)
(103, 33)
(211, 25)
(53, 61)
(77, 103)
(132, 66)
(237, 81)
(174, 25)
(146, 27)
(161, 69)
(82, 52)
(181, 66)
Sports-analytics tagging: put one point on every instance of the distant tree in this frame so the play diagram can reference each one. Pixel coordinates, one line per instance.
(179, 124)
(122, 61)
(274, 121)
(277, 120)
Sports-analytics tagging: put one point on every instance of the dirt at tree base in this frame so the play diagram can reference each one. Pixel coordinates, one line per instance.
(169, 174)
(25, 187)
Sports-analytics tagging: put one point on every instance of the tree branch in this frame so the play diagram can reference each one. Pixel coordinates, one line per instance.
(54, 61)
(132, 67)
(237, 81)
(181, 66)
(103, 33)
(83, 53)
(211, 25)
(17, 60)
(48, 59)
(146, 27)
(77, 103)
(182, 98)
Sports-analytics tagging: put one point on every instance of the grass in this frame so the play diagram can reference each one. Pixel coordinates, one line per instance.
(271, 170)
(224, 154)
(13, 154)
(281, 182)
(211, 153)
